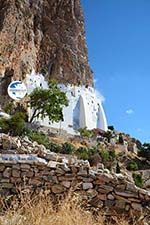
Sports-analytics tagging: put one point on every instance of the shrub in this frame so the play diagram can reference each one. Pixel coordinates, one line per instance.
(108, 135)
(132, 166)
(85, 133)
(92, 151)
(145, 151)
(86, 153)
(39, 137)
(54, 147)
(105, 155)
(112, 154)
(82, 153)
(118, 168)
(111, 128)
(15, 125)
(9, 107)
(121, 141)
(138, 180)
(67, 148)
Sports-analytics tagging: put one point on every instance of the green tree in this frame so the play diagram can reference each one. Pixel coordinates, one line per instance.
(48, 102)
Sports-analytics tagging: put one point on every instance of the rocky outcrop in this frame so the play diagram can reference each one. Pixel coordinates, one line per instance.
(45, 35)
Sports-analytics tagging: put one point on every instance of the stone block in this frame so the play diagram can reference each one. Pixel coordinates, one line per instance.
(64, 167)
(102, 191)
(107, 188)
(17, 166)
(120, 187)
(25, 166)
(7, 172)
(110, 197)
(120, 198)
(15, 180)
(99, 182)
(127, 194)
(87, 186)
(66, 184)
(136, 207)
(131, 187)
(7, 185)
(35, 182)
(96, 202)
(27, 174)
(60, 171)
(82, 172)
(57, 189)
(52, 164)
(87, 180)
(74, 169)
(16, 173)
(2, 167)
(52, 179)
(147, 184)
(92, 193)
(109, 203)
(4, 180)
(120, 204)
(127, 208)
(102, 197)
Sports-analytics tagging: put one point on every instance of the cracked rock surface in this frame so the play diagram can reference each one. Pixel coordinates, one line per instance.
(45, 35)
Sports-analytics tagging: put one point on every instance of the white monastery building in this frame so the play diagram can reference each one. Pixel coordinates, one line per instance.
(84, 110)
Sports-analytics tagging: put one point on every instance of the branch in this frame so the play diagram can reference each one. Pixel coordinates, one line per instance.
(33, 116)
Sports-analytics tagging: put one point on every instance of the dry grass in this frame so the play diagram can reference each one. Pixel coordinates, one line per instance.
(43, 212)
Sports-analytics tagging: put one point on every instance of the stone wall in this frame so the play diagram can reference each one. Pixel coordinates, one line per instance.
(58, 174)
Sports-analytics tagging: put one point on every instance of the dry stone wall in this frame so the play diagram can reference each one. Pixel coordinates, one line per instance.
(58, 174)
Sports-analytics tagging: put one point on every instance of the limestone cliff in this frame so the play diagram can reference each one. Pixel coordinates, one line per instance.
(45, 35)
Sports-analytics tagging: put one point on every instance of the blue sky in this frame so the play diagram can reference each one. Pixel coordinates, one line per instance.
(118, 38)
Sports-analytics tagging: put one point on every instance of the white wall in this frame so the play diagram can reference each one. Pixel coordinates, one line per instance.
(85, 107)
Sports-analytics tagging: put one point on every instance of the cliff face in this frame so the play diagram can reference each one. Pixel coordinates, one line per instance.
(45, 35)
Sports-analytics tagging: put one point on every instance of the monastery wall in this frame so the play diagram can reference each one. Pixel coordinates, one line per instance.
(84, 110)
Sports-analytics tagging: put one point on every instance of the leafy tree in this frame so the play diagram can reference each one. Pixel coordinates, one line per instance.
(48, 102)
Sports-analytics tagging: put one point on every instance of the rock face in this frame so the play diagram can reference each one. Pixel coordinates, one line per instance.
(45, 35)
